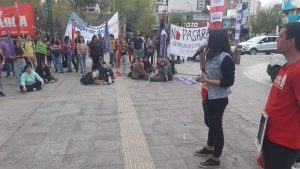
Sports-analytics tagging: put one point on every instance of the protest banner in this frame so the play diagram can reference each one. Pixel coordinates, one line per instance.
(18, 20)
(88, 31)
(185, 41)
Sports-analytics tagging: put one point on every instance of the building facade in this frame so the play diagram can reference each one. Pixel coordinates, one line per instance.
(292, 10)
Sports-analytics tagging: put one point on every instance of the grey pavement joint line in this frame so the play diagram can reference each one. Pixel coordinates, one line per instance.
(135, 150)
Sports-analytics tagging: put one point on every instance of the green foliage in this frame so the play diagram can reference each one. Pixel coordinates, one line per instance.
(266, 21)
(176, 18)
(138, 13)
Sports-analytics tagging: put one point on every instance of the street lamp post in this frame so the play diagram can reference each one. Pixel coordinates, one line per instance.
(49, 17)
(191, 16)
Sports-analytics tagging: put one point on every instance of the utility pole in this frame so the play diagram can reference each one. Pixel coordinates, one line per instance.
(49, 25)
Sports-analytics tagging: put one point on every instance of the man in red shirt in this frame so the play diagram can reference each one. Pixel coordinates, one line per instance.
(282, 144)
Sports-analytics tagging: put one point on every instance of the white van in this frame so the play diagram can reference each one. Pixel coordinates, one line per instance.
(264, 44)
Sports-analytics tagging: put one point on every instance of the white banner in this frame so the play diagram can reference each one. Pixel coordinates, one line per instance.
(87, 31)
(185, 41)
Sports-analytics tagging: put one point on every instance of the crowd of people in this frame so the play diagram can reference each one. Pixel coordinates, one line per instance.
(64, 55)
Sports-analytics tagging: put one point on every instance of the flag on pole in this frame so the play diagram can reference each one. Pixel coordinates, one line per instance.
(106, 38)
(10, 42)
(118, 64)
(73, 34)
(163, 44)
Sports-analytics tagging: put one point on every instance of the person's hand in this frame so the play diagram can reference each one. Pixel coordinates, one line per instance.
(203, 79)
(24, 89)
(43, 84)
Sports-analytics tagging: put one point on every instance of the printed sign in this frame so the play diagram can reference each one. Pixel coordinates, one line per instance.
(185, 41)
(216, 3)
(41, 47)
(217, 8)
(19, 20)
(217, 17)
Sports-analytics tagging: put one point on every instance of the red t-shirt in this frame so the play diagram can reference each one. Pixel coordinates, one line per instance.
(283, 108)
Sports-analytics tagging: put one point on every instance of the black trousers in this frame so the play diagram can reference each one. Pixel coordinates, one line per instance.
(213, 115)
(279, 157)
(150, 57)
(37, 85)
(40, 58)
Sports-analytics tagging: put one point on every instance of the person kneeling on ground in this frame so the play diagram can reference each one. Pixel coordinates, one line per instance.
(44, 72)
(30, 80)
(92, 78)
(138, 71)
(105, 72)
(163, 73)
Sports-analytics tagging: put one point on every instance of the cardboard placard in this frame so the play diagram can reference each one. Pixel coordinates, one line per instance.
(41, 47)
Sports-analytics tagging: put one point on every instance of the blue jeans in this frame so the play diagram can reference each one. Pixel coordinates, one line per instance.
(82, 63)
(18, 68)
(138, 53)
(57, 62)
(124, 62)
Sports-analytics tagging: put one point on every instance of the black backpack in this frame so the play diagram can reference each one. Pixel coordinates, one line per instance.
(87, 79)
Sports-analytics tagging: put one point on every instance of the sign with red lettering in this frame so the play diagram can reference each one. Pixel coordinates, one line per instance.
(217, 8)
(18, 19)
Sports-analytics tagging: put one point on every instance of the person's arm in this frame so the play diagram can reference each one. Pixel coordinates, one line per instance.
(228, 71)
(38, 77)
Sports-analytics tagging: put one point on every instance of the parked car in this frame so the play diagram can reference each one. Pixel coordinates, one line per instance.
(264, 44)
(276, 62)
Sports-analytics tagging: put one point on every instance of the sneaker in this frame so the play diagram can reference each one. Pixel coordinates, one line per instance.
(61, 71)
(34, 89)
(80, 74)
(210, 163)
(2, 94)
(203, 152)
(69, 71)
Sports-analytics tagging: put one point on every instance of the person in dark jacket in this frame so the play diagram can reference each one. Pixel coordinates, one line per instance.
(95, 51)
(44, 72)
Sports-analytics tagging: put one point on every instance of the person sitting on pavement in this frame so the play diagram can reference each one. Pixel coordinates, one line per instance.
(106, 73)
(163, 73)
(44, 72)
(30, 80)
(147, 65)
(93, 78)
(138, 71)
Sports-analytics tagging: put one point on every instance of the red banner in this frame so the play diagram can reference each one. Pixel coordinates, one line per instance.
(18, 19)
(217, 8)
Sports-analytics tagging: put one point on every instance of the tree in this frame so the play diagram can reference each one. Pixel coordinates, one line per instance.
(266, 21)
(176, 18)
(138, 13)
